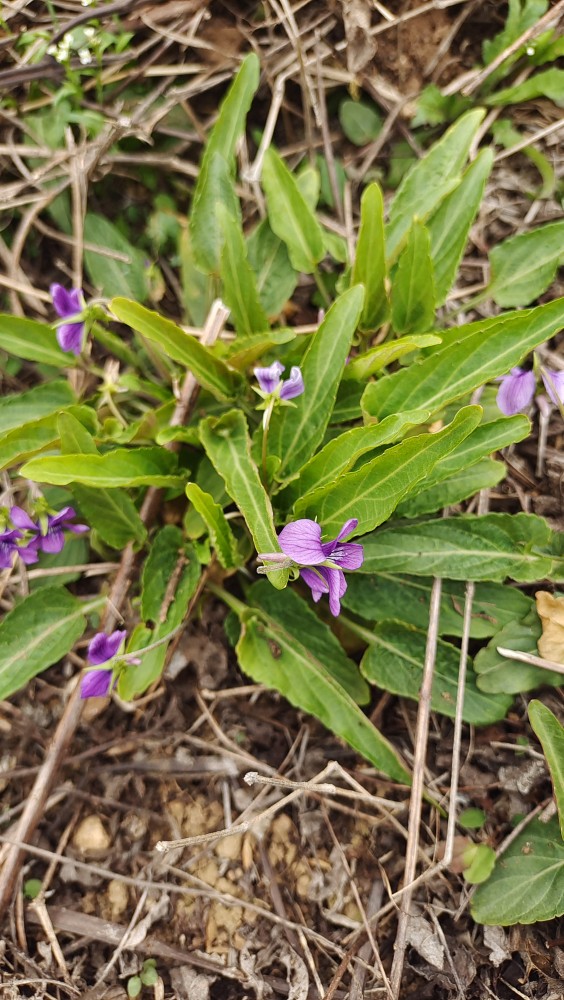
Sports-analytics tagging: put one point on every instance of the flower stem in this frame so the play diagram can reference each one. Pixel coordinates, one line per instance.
(232, 602)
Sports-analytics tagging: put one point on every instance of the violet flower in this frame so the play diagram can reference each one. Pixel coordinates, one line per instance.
(270, 382)
(69, 305)
(98, 683)
(516, 392)
(322, 563)
(49, 530)
(8, 547)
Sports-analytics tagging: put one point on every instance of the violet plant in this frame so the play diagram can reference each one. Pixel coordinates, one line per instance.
(322, 503)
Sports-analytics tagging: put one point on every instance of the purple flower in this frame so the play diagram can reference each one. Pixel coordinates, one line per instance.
(554, 385)
(48, 531)
(301, 541)
(96, 684)
(68, 305)
(516, 391)
(104, 647)
(269, 380)
(8, 547)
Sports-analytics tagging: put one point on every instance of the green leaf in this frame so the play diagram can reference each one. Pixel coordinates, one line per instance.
(286, 610)
(220, 533)
(452, 490)
(244, 351)
(394, 662)
(23, 407)
(498, 673)
(450, 225)
(121, 270)
(364, 365)
(372, 492)
(214, 186)
(524, 266)
(275, 277)
(468, 547)
(110, 512)
(522, 14)
(406, 599)
(271, 656)
(360, 122)
(290, 216)
(431, 179)
(39, 631)
(549, 83)
(212, 373)
(480, 859)
(158, 569)
(551, 735)
(121, 467)
(239, 285)
(471, 356)
(32, 341)
(369, 267)
(295, 432)
(23, 442)
(413, 288)
(472, 818)
(74, 553)
(340, 454)
(228, 446)
(198, 289)
(527, 883)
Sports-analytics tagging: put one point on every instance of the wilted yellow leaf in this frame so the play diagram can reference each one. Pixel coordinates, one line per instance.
(551, 613)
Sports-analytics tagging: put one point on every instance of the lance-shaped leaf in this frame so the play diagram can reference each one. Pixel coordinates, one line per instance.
(431, 179)
(290, 216)
(394, 662)
(21, 408)
(39, 631)
(469, 547)
(340, 454)
(471, 356)
(221, 536)
(121, 272)
(371, 493)
(388, 597)
(271, 656)
(289, 611)
(214, 186)
(111, 513)
(239, 285)
(369, 267)
(527, 883)
(245, 350)
(524, 266)
(364, 365)
(499, 673)
(551, 734)
(121, 467)
(450, 225)
(32, 341)
(228, 446)
(295, 432)
(413, 284)
(454, 489)
(275, 277)
(212, 373)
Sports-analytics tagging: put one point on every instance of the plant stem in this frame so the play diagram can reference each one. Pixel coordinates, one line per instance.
(232, 602)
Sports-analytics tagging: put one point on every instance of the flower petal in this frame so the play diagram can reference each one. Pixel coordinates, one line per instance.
(516, 391)
(104, 647)
(348, 526)
(53, 541)
(554, 385)
(29, 553)
(316, 583)
(19, 517)
(268, 378)
(65, 302)
(66, 514)
(96, 684)
(293, 386)
(70, 337)
(301, 541)
(348, 555)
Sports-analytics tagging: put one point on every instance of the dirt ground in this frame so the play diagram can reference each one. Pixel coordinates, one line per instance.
(299, 901)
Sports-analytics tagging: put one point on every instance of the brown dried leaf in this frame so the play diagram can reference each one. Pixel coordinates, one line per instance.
(550, 610)
(361, 47)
